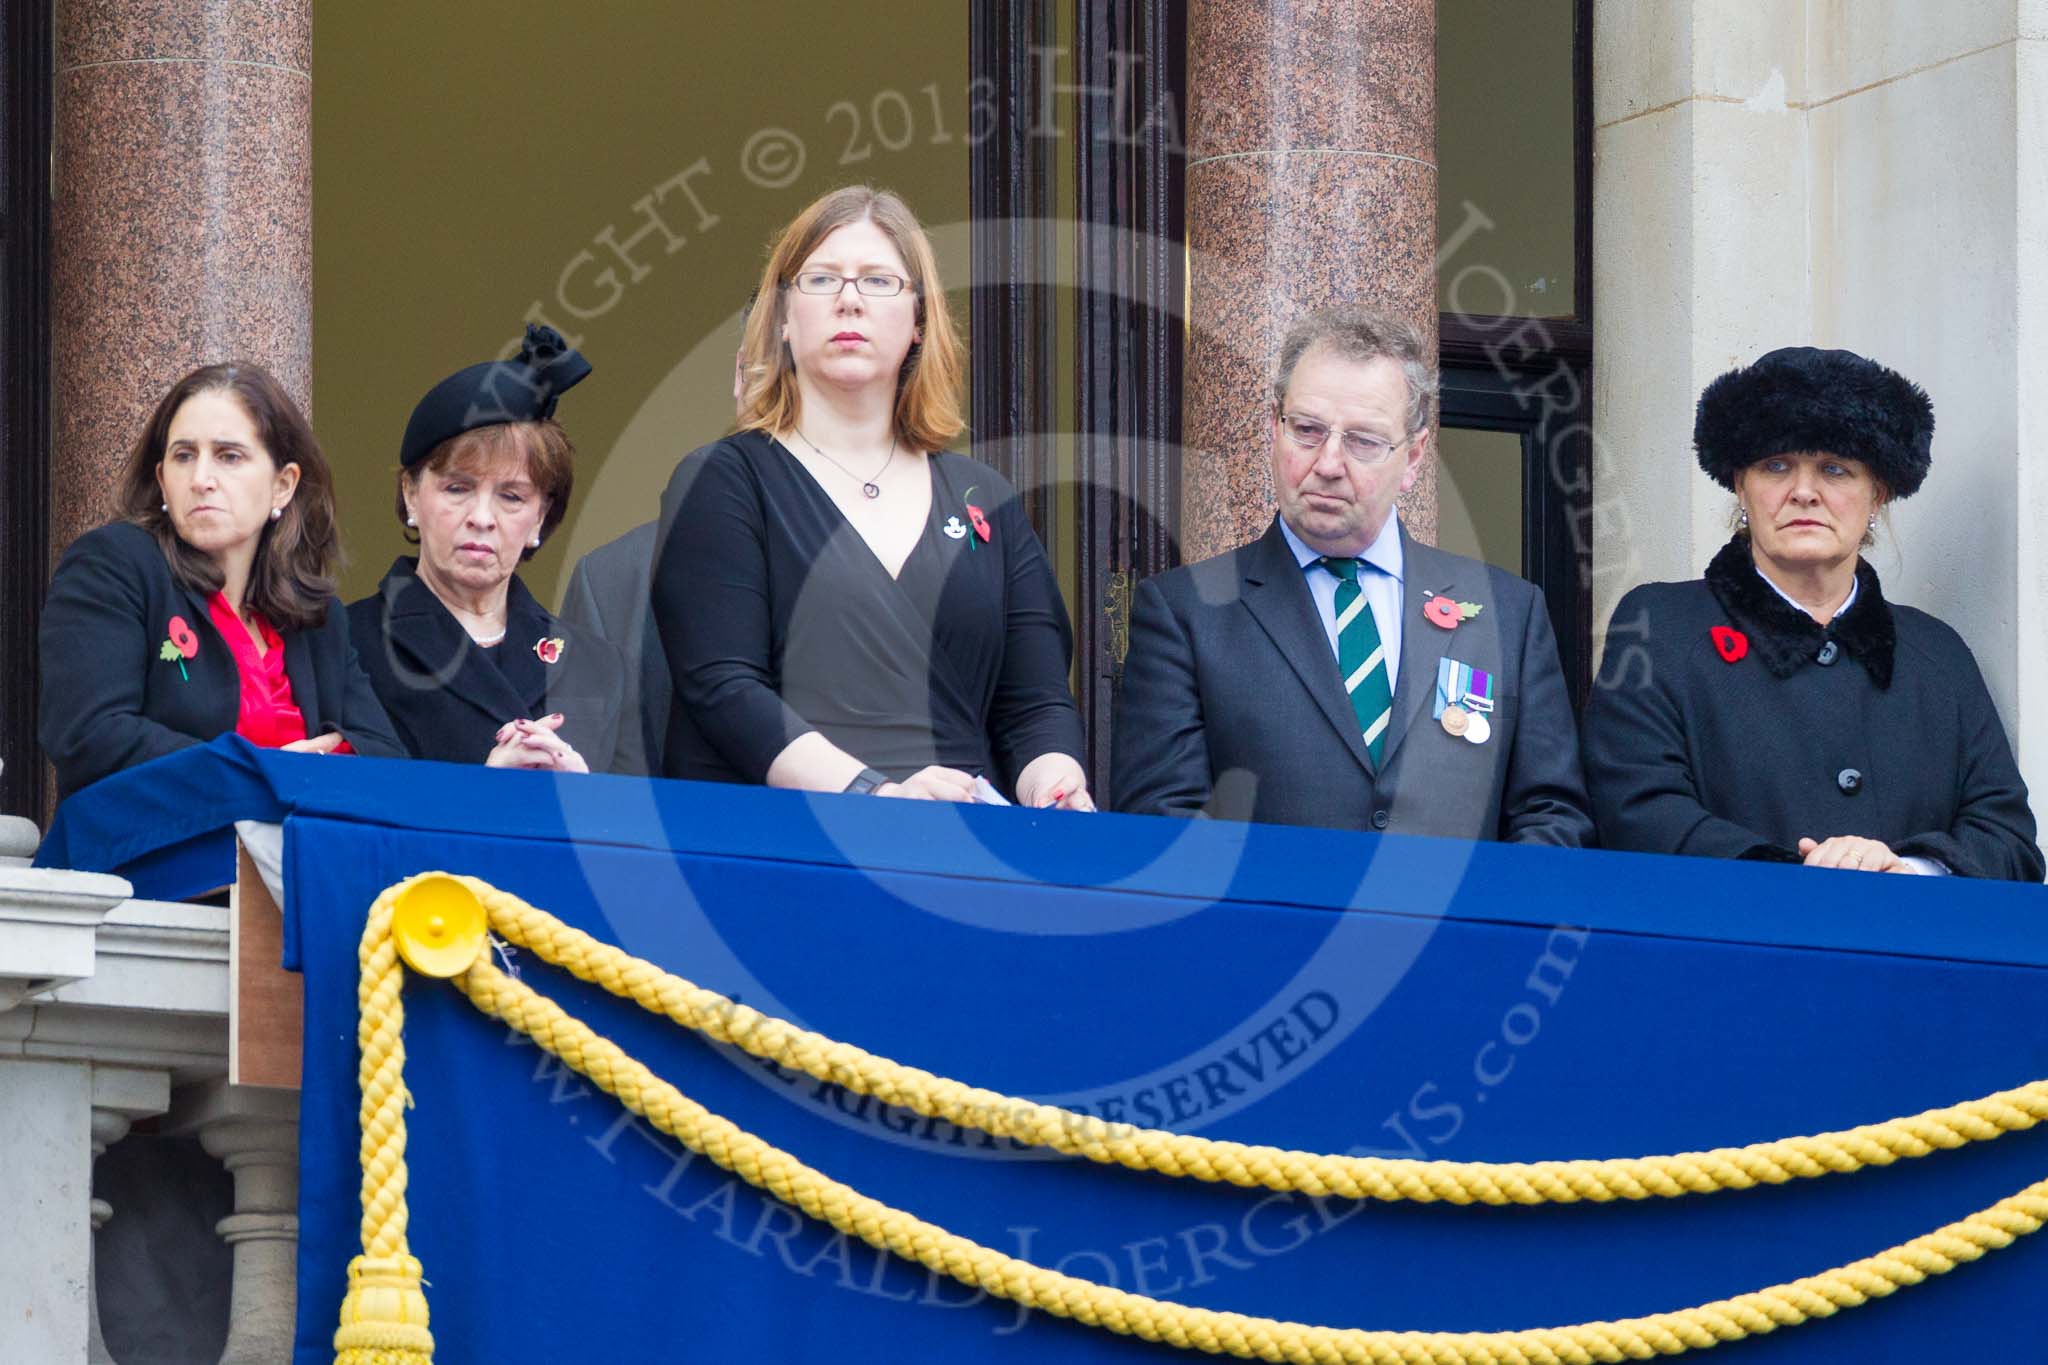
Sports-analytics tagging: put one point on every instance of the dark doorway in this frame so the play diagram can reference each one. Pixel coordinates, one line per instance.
(25, 104)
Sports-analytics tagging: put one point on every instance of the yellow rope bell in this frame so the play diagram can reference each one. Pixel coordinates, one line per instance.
(439, 925)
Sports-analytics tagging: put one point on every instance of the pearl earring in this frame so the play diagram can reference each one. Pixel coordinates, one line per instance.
(1745, 517)
(534, 543)
(163, 507)
(276, 512)
(409, 520)
(1873, 523)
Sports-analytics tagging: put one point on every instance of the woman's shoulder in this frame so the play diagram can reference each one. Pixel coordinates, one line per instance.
(734, 458)
(118, 541)
(369, 609)
(1648, 603)
(1929, 637)
(973, 480)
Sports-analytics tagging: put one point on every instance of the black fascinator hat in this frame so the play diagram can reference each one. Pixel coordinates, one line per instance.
(1801, 398)
(523, 389)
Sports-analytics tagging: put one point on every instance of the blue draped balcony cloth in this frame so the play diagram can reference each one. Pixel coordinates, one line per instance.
(1303, 988)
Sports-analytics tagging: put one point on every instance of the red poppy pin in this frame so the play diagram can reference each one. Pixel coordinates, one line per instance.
(1730, 643)
(1445, 612)
(181, 645)
(549, 650)
(979, 518)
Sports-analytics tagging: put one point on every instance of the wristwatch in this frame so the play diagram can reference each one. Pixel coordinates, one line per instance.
(865, 781)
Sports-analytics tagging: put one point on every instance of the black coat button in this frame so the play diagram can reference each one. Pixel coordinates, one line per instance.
(1379, 819)
(1829, 652)
(1850, 781)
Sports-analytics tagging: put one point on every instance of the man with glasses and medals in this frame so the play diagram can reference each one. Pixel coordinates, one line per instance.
(1336, 671)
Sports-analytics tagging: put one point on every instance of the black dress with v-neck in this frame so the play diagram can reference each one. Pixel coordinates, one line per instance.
(447, 696)
(777, 619)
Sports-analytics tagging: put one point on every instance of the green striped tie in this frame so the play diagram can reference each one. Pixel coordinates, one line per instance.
(1361, 658)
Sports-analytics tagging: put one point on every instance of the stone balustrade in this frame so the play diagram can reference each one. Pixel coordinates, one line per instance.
(112, 1011)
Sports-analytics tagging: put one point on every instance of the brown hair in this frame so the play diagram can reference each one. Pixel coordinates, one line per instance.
(290, 580)
(550, 464)
(929, 386)
(1356, 332)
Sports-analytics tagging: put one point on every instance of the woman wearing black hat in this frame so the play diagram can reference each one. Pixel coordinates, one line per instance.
(845, 604)
(470, 667)
(207, 606)
(1781, 708)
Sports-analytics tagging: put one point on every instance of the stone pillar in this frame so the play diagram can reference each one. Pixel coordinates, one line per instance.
(254, 1131)
(108, 1128)
(1311, 180)
(181, 218)
(46, 1187)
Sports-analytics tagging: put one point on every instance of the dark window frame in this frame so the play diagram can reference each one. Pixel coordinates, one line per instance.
(1130, 288)
(26, 102)
(1010, 197)
(1534, 376)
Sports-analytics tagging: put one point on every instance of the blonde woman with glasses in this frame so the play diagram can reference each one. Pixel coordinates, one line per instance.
(845, 604)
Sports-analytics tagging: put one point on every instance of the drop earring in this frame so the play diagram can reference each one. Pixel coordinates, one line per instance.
(1743, 517)
(1873, 523)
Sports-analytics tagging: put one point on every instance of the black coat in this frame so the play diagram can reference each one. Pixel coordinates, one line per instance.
(1894, 738)
(111, 701)
(447, 699)
(608, 596)
(1231, 706)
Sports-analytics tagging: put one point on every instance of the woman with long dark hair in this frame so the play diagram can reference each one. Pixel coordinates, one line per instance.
(208, 604)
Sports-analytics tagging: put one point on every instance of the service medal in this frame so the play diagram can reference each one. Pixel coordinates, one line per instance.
(1479, 730)
(1456, 720)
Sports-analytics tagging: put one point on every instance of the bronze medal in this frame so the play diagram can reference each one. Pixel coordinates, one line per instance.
(1456, 720)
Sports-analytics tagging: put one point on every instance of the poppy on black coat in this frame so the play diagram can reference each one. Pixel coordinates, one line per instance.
(113, 696)
(1878, 725)
(447, 699)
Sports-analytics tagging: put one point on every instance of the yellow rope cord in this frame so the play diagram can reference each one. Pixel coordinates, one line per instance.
(768, 1168)
(1178, 1154)
(384, 1315)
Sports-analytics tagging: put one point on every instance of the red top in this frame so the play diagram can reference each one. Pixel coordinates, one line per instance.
(269, 719)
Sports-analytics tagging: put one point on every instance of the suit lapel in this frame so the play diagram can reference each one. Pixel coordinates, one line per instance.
(431, 651)
(1425, 570)
(298, 671)
(1279, 601)
(526, 625)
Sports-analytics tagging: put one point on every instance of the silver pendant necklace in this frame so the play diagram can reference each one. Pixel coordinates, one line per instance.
(870, 488)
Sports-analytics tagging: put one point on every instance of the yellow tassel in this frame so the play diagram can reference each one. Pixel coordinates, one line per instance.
(384, 1316)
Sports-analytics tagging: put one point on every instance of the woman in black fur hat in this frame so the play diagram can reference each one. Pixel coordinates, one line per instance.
(1781, 708)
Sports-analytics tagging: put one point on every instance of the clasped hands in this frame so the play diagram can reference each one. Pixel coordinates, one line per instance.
(1048, 781)
(534, 744)
(1853, 852)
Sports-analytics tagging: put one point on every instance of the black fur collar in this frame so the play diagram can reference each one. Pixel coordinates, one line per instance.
(1786, 638)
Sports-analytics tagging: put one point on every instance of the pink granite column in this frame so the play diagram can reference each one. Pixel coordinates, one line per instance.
(1311, 180)
(181, 218)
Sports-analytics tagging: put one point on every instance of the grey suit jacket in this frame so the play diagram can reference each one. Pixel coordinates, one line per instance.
(608, 595)
(1231, 706)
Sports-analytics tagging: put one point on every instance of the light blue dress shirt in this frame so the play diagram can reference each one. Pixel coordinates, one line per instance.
(1381, 582)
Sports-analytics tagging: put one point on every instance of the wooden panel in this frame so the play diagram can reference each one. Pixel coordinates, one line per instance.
(266, 1003)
